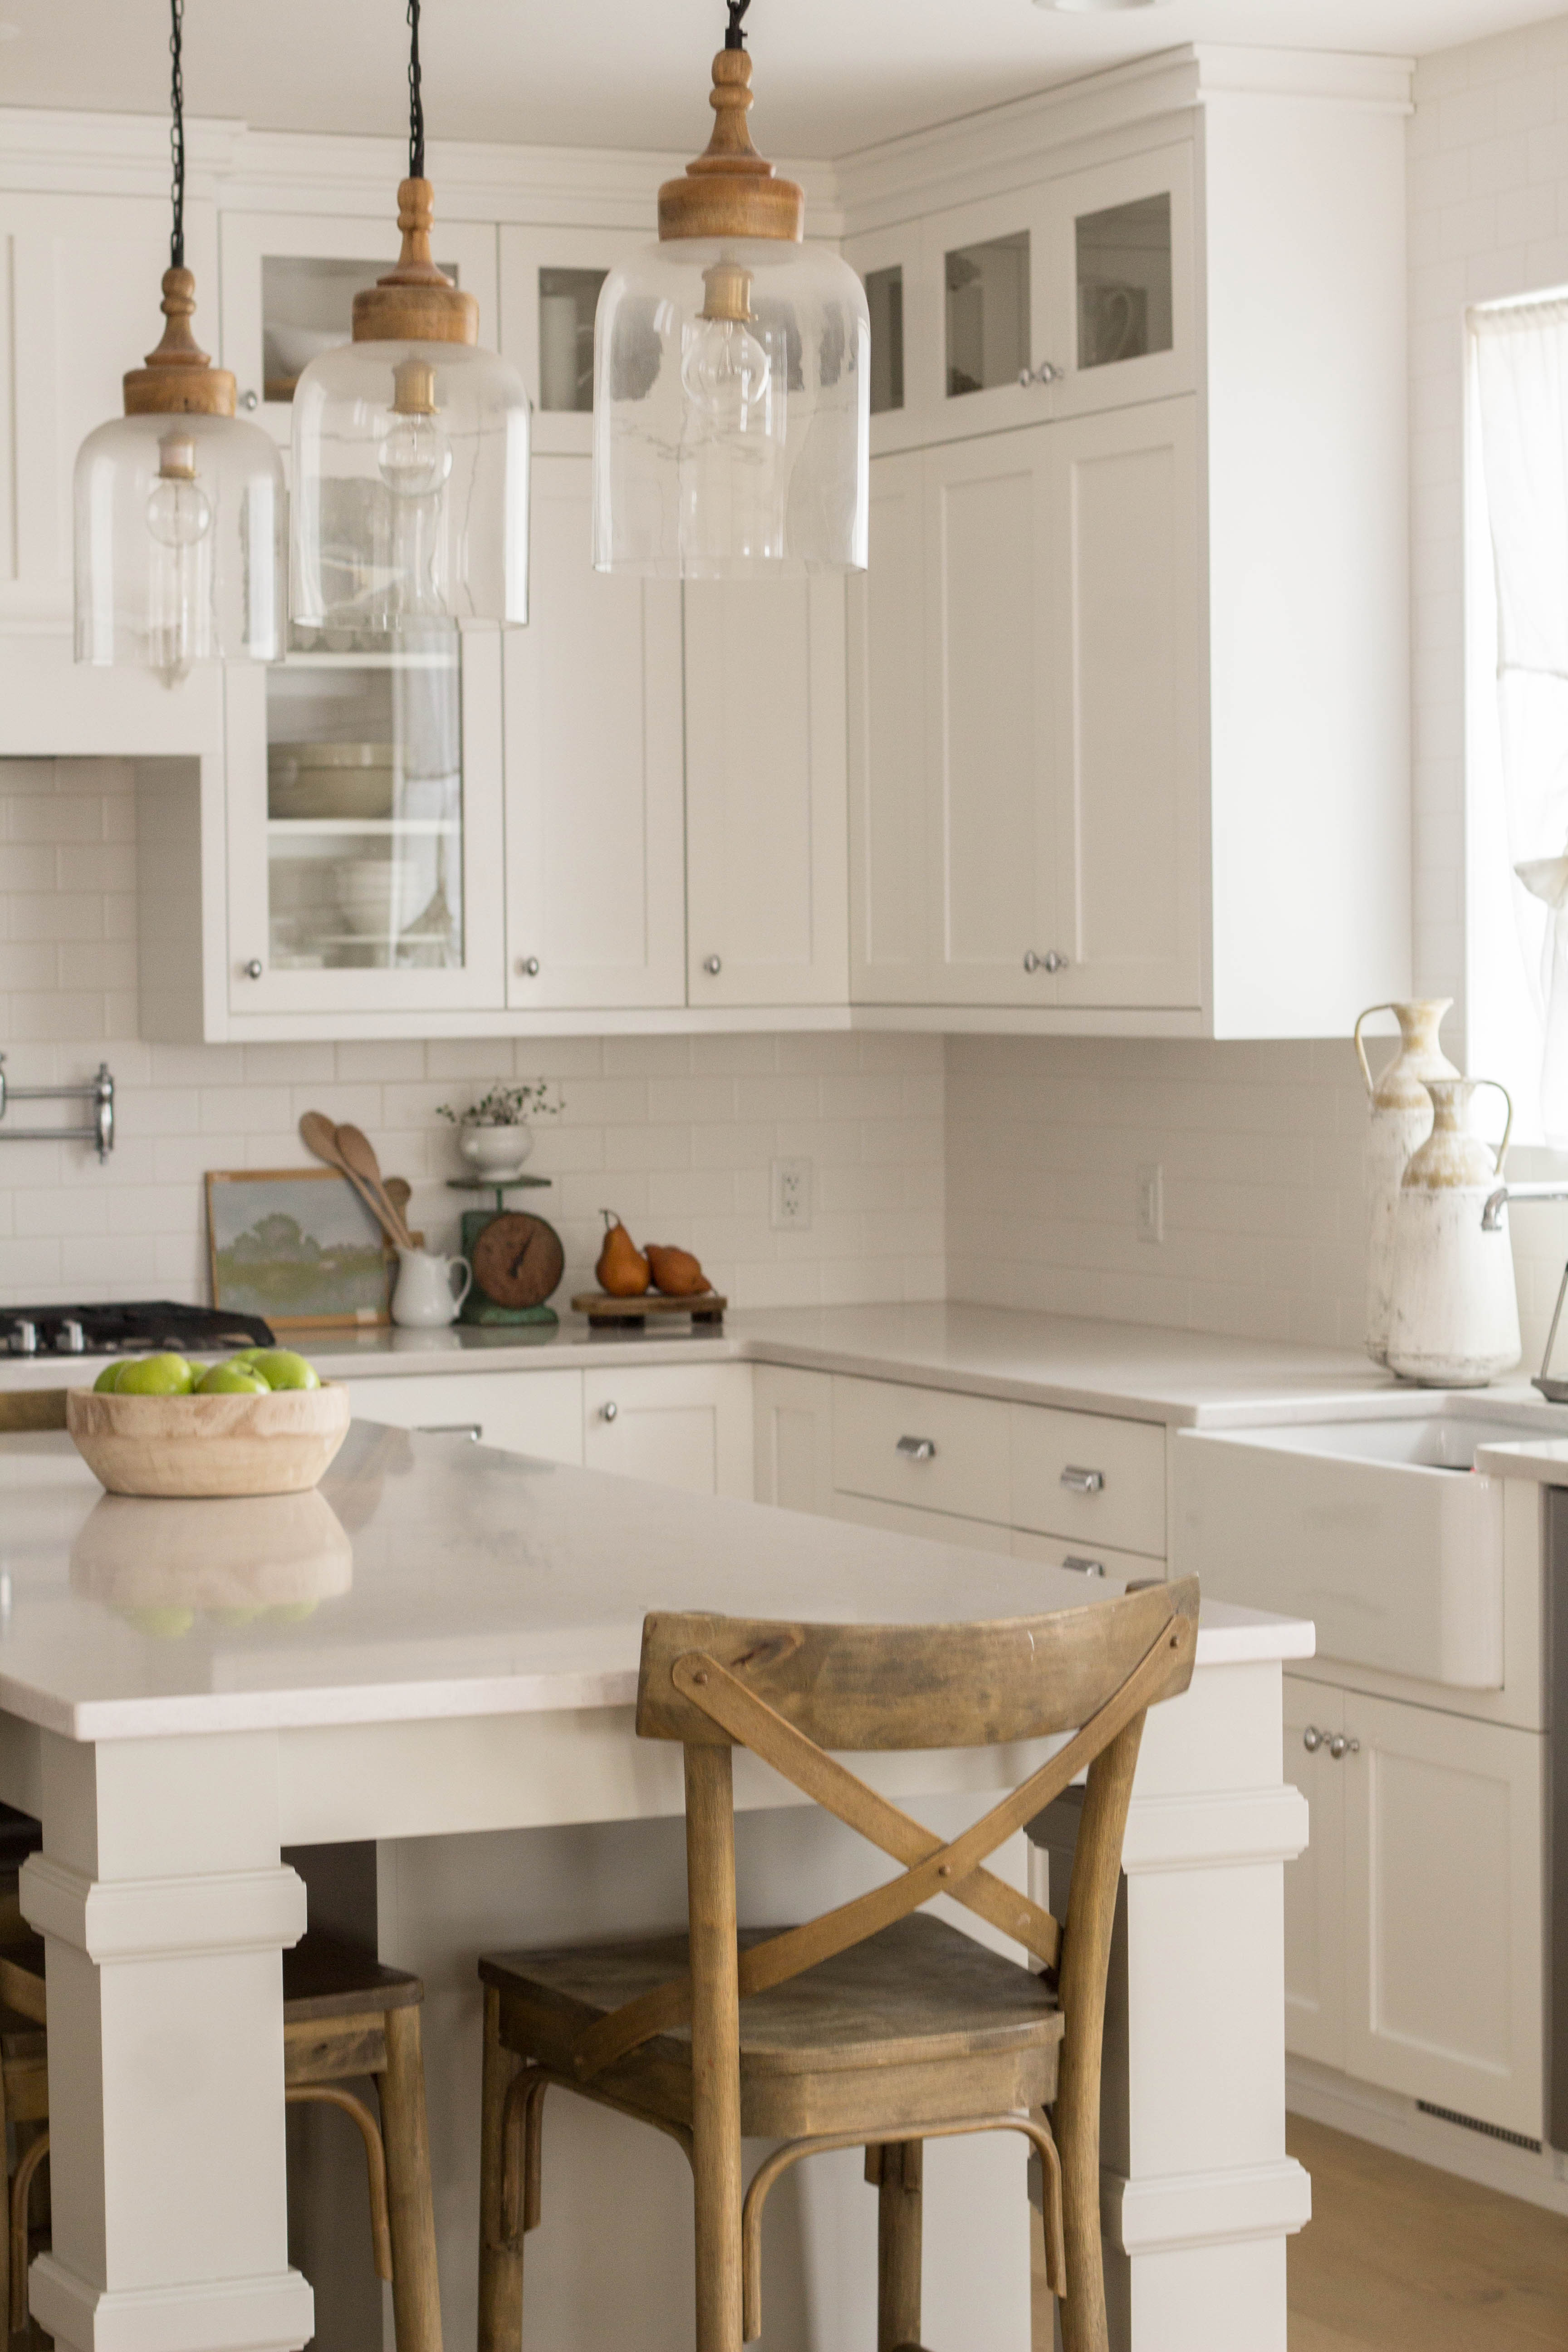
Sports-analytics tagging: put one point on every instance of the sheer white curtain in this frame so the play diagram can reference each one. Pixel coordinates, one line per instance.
(1520, 387)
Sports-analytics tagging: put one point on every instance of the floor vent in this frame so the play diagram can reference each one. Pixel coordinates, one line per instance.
(1489, 2131)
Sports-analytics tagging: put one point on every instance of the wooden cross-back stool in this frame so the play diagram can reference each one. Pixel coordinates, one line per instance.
(343, 2016)
(873, 2025)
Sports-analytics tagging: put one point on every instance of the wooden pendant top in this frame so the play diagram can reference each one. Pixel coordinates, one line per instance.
(731, 190)
(415, 303)
(179, 379)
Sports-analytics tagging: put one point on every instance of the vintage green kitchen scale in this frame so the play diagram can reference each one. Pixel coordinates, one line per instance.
(518, 1259)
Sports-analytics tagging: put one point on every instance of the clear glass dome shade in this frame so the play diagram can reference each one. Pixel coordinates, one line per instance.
(180, 543)
(411, 489)
(732, 411)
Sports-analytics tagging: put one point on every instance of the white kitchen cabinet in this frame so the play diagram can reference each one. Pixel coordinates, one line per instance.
(792, 1414)
(288, 284)
(686, 1425)
(765, 793)
(1315, 1882)
(524, 1413)
(594, 807)
(1026, 816)
(81, 275)
(1088, 1558)
(929, 1527)
(550, 282)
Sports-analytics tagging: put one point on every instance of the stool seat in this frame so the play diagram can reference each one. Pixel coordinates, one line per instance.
(972, 2031)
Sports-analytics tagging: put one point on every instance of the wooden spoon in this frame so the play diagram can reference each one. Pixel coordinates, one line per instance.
(358, 1154)
(319, 1137)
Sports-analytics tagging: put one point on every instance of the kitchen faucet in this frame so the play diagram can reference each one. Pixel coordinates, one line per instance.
(1554, 1392)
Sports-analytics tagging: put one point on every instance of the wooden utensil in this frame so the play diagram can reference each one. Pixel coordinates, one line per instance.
(360, 1160)
(320, 1137)
(400, 1192)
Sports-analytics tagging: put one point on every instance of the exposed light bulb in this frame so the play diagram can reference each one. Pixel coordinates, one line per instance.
(179, 520)
(414, 457)
(727, 376)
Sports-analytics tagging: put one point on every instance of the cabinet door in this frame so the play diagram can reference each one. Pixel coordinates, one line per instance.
(992, 747)
(1444, 1924)
(81, 275)
(929, 1527)
(594, 815)
(889, 848)
(288, 284)
(767, 842)
(792, 1416)
(982, 306)
(373, 888)
(1119, 267)
(525, 1413)
(676, 1425)
(901, 295)
(1315, 1881)
(550, 282)
(1125, 646)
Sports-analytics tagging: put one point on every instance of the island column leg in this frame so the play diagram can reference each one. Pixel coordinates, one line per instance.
(164, 1909)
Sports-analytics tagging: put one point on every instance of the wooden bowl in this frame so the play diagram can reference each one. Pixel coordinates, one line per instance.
(278, 1443)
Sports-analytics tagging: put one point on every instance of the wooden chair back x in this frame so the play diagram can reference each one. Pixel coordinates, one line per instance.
(800, 1696)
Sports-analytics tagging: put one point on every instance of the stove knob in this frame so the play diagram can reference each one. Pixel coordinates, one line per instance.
(70, 1339)
(24, 1339)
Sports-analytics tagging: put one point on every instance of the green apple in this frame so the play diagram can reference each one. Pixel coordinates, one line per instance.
(247, 1355)
(280, 1368)
(232, 1379)
(156, 1375)
(165, 1624)
(108, 1379)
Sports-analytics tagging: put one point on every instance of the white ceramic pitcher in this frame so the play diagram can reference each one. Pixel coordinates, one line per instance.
(423, 1298)
(1454, 1309)
(1401, 1120)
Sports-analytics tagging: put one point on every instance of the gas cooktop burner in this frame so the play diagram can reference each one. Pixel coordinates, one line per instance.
(143, 1326)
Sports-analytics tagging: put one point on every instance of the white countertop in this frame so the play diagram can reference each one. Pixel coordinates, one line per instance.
(430, 1577)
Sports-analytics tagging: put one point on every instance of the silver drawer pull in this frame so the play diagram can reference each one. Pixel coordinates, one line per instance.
(1340, 1746)
(609, 1410)
(472, 1429)
(917, 1449)
(1082, 1566)
(1083, 1482)
(1312, 1740)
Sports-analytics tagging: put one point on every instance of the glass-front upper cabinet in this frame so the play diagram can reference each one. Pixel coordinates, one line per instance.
(550, 281)
(1061, 299)
(364, 830)
(288, 285)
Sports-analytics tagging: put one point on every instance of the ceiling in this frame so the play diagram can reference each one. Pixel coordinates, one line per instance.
(831, 75)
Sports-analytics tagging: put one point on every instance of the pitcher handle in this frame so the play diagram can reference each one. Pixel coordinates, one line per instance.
(1498, 1088)
(469, 1271)
(1361, 1049)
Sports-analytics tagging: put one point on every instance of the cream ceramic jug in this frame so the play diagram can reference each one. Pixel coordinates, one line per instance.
(1453, 1311)
(1401, 1119)
(424, 1298)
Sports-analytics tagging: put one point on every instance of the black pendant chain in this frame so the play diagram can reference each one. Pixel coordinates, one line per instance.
(734, 32)
(177, 134)
(416, 98)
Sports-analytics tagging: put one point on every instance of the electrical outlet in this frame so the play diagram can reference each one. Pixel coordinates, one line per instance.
(1150, 1202)
(792, 1195)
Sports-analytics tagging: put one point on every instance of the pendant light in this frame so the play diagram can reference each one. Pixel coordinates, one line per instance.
(410, 450)
(732, 409)
(179, 506)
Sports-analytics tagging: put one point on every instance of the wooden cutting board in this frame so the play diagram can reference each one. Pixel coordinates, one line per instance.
(599, 1306)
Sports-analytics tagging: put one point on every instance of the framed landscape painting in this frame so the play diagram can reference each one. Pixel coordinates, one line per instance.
(297, 1246)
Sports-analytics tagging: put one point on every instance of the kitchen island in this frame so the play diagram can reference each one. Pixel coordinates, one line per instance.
(439, 1652)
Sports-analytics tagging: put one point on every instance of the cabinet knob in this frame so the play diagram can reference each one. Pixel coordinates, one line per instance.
(1083, 1482)
(249, 400)
(917, 1449)
(1340, 1746)
(713, 966)
(609, 1410)
(1312, 1739)
(1047, 372)
(253, 969)
(1052, 960)
(529, 967)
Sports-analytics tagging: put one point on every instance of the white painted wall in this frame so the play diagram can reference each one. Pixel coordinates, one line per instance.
(676, 1133)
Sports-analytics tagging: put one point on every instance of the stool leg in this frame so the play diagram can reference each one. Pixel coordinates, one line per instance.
(899, 2214)
(415, 2296)
(501, 2265)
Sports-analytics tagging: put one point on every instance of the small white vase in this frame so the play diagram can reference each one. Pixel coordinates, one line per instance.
(496, 1153)
(1401, 1120)
(1454, 1309)
(424, 1299)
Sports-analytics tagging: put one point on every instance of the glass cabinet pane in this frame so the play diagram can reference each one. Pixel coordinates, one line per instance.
(364, 813)
(987, 314)
(1124, 282)
(885, 300)
(307, 307)
(567, 302)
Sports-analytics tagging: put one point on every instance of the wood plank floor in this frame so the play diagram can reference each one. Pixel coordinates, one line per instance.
(1399, 2257)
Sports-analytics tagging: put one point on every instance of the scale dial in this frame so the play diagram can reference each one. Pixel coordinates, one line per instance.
(517, 1260)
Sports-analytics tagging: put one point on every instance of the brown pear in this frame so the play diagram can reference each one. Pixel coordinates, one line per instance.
(676, 1272)
(622, 1270)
